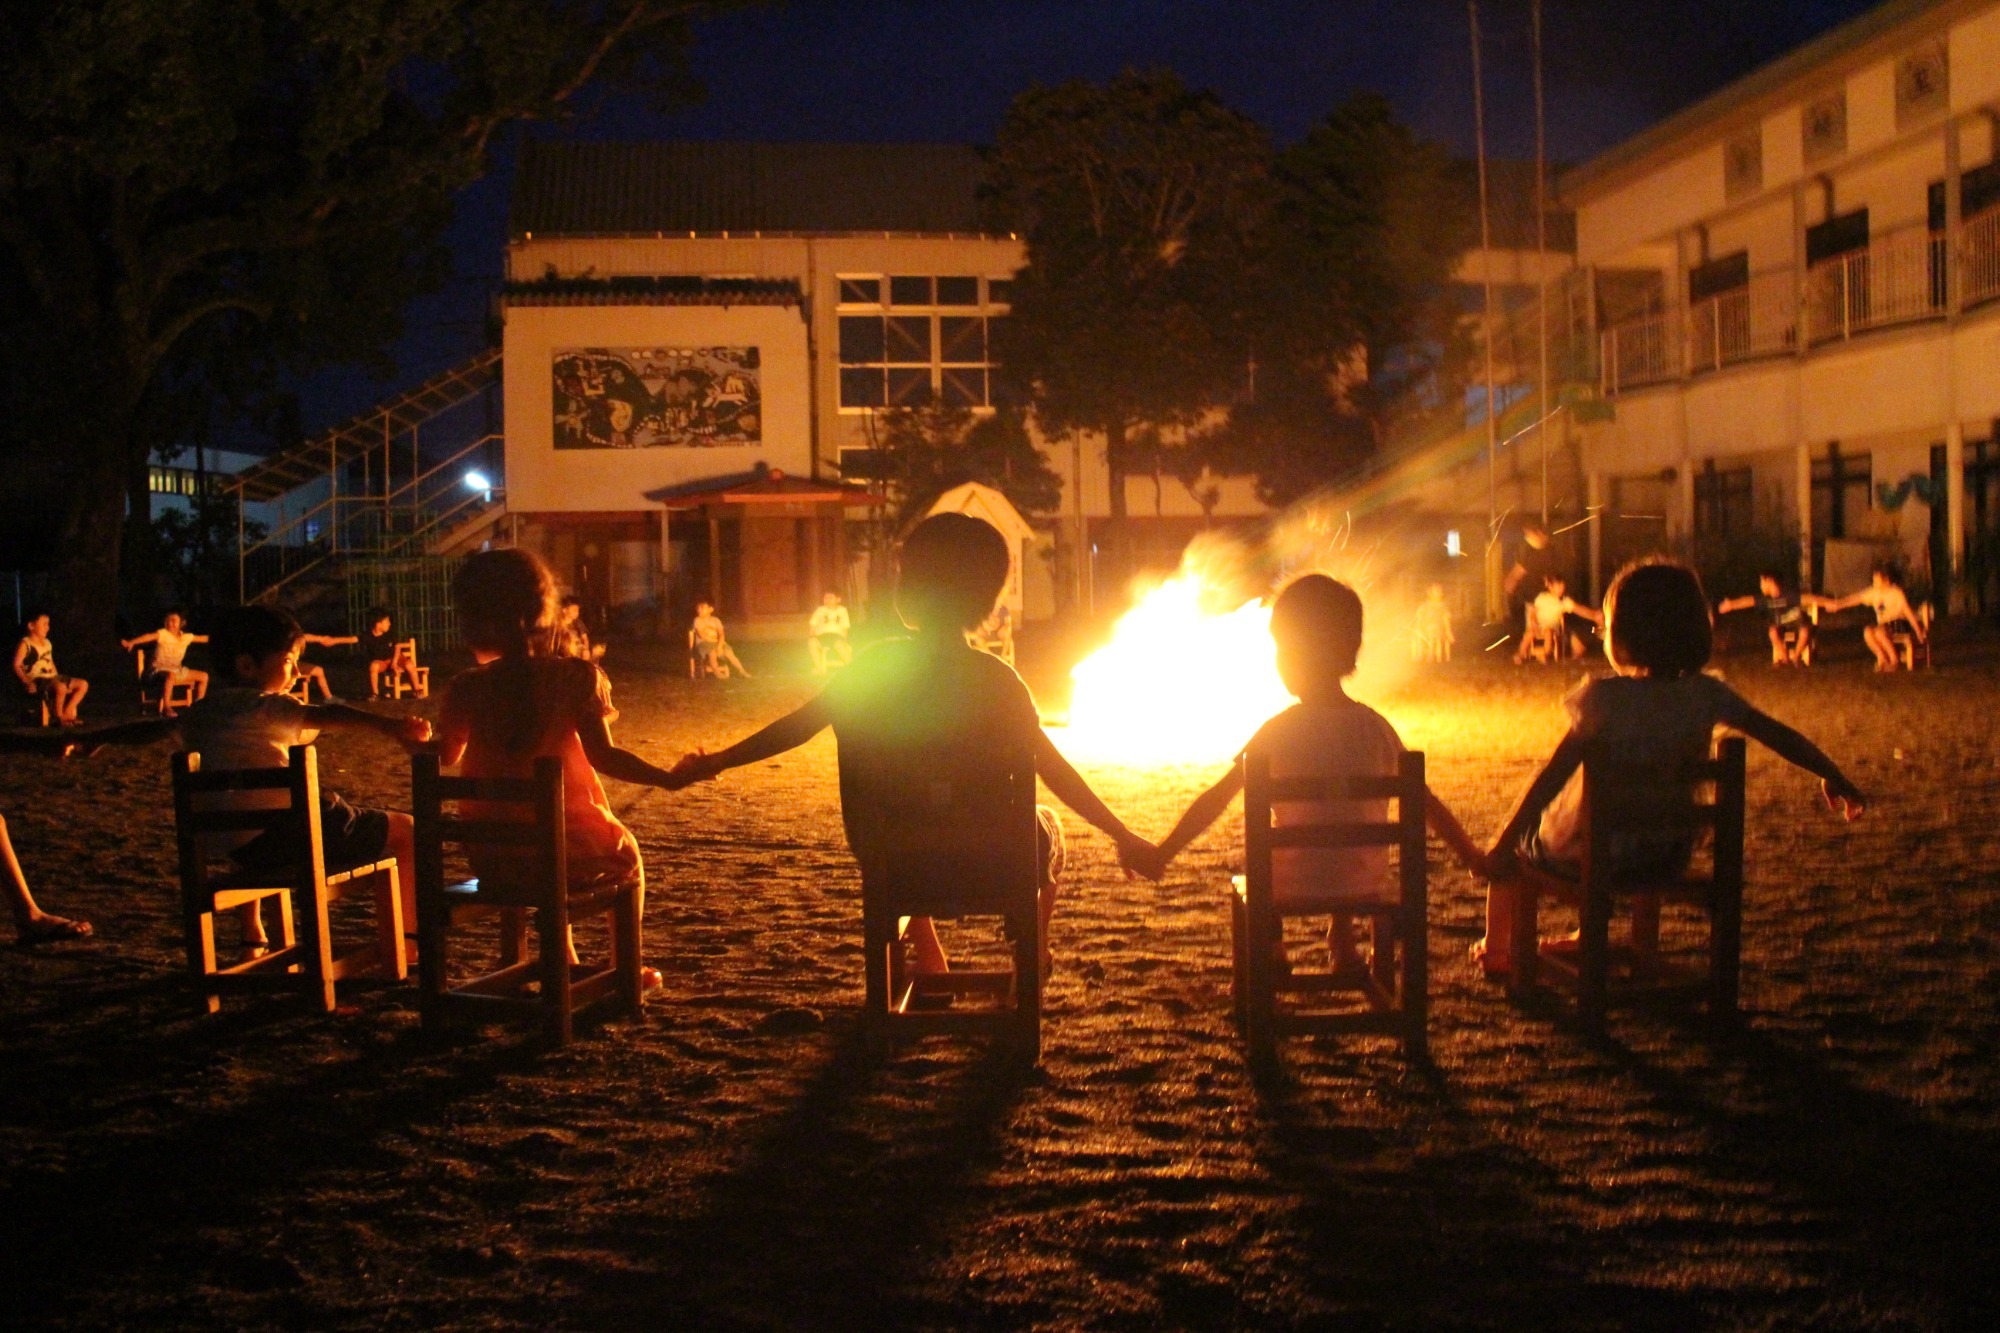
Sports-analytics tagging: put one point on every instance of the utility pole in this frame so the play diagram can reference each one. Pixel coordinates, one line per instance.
(1541, 255)
(1486, 330)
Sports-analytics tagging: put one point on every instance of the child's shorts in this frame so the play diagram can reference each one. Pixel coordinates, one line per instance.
(349, 836)
(1665, 858)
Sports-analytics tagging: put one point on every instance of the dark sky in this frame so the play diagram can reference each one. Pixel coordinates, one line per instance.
(944, 70)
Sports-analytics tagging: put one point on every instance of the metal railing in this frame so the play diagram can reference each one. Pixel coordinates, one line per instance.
(1979, 258)
(1646, 350)
(1756, 320)
(1896, 279)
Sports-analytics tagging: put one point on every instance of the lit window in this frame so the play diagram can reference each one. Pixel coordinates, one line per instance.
(908, 358)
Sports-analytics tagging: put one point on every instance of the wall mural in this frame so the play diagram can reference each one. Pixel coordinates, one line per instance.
(656, 397)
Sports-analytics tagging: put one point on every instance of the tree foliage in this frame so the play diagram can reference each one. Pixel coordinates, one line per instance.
(1137, 200)
(922, 452)
(196, 194)
(1355, 322)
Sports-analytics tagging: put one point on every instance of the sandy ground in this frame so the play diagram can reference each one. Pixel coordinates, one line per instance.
(733, 1160)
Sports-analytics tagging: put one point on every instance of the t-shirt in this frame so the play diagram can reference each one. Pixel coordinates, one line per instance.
(1550, 609)
(930, 708)
(830, 620)
(708, 629)
(40, 661)
(170, 650)
(562, 692)
(1343, 739)
(1661, 724)
(1782, 611)
(1890, 604)
(379, 647)
(240, 726)
(1433, 620)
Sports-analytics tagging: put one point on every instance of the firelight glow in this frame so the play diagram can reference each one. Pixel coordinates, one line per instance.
(1177, 684)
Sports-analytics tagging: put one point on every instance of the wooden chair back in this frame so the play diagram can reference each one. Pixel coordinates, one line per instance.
(405, 674)
(1912, 642)
(521, 820)
(1545, 643)
(207, 825)
(947, 835)
(1624, 797)
(1392, 993)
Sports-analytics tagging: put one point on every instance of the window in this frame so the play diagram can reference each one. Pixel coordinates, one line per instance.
(934, 343)
(1840, 486)
(1723, 504)
(1718, 276)
(1837, 236)
(999, 291)
(179, 481)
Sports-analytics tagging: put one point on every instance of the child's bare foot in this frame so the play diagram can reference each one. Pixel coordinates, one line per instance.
(47, 928)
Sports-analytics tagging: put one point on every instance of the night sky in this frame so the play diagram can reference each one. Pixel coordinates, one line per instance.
(944, 70)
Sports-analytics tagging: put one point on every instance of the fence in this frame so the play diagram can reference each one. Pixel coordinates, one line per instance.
(1760, 319)
(1897, 278)
(416, 590)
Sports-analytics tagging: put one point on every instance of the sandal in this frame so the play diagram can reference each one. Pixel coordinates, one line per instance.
(52, 929)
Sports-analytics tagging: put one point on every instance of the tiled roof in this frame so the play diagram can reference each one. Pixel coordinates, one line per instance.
(627, 189)
(760, 484)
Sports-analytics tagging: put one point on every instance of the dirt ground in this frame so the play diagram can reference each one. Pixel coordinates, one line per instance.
(734, 1160)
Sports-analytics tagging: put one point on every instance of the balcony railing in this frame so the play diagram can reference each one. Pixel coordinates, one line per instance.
(1646, 350)
(1896, 279)
(1979, 258)
(1744, 323)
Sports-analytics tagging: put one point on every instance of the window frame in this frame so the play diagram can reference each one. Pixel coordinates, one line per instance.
(940, 369)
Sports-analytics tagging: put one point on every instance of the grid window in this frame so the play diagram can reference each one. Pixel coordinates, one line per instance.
(999, 291)
(1723, 505)
(935, 345)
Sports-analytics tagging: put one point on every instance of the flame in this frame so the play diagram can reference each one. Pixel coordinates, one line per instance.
(1177, 684)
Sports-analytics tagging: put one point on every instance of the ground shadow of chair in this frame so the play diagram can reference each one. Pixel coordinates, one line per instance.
(1620, 797)
(208, 817)
(1389, 995)
(519, 819)
(934, 847)
(173, 694)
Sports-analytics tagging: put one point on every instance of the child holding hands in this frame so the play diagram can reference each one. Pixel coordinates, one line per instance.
(527, 699)
(1317, 624)
(1661, 709)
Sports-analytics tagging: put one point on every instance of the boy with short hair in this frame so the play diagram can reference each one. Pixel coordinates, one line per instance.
(169, 665)
(934, 698)
(386, 657)
(709, 653)
(826, 635)
(1784, 614)
(1317, 623)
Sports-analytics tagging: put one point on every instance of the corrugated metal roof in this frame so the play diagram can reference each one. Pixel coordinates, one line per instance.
(625, 189)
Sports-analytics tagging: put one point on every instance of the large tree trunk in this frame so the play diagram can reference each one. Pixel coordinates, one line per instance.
(83, 579)
(1116, 562)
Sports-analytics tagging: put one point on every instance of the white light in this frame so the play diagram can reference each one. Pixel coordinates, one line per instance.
(1451, 546)
(476, 481)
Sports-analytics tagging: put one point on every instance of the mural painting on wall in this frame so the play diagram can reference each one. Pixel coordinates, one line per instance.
(656, 397)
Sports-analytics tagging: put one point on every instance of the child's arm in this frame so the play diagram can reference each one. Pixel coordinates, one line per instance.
(1729, 604)
(787, 733)
(616, 762)
(406, 731)
(150, 636)
(20, 667)
(1205, 810)
(1134, 852)
(1789, 745)
(143, 732)
(1589, 613)
(1445, 824)
(323, 640)
(1548, 784)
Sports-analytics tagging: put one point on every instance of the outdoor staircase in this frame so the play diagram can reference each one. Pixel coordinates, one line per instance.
(390, 497)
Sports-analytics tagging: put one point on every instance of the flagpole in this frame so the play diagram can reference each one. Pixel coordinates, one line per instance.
(1486, 283)
(1541, 255)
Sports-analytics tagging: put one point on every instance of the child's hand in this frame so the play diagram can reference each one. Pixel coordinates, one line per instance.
(413, 730)
(1139, 857)
(692, 767)
(1845, 798)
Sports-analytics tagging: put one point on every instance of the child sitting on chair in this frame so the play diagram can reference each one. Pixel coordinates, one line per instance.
(311, 674)
(1785, 618)
(1431, 634)
(527, 699)
(1316, 623)
(933, 694)
(709, 653)
(1886, 598)
(1661, 709)
(386, 657)
(35, 668)
(169, 666)
(250, 721)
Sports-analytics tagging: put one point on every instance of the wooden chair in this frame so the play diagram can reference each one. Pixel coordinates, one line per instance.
(173, 694)
(1790, 637)
(1596, 969)
(1542, 642)
(404, 663)
(304, 958)
(1392, 993)
(929, 847)
(300, 689)
(1909, 643)
(536, 838)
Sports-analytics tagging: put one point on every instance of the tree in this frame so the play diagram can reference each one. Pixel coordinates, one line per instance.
(196, 194)
(1356, 326)
(922, 452)
(1137, 200)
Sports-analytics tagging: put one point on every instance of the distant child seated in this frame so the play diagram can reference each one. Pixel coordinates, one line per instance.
(169, 665)
(526, 699)
(1431, 634)
(709, 653)
(35, 669)
(1785, 619)
(1661, 711)
(1886, 598)
(1555, 612)
(934, 699)
(387, 657)
(311, 675)
(1316, 623)
(575, 635)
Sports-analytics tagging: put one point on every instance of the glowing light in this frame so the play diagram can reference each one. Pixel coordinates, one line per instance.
(1177, 684)
(477, 481)
(1451, 543)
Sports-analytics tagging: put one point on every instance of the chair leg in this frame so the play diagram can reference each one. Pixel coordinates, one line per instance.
(626, 947)
(1028, 986)
(1239, 967)
(1416, 996)
(1525, 914)
(198, 929)
(318, 971)
(513, 936)
(433, 930)
(1593, 956)
(1725, 953)
(875, 968)
(552, 921)
(389, 925)
(1261, 1007)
